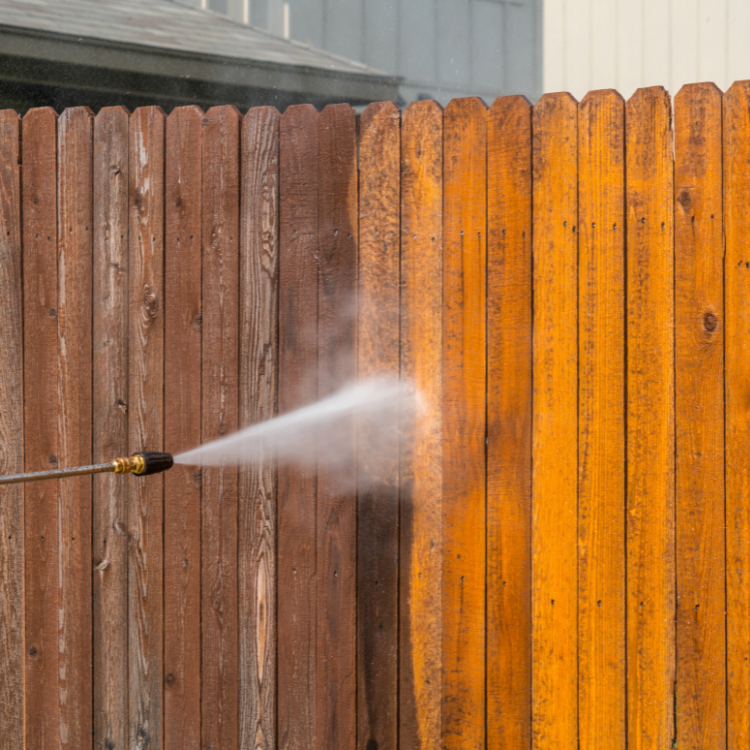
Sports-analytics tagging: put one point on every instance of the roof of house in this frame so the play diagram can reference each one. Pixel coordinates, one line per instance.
(168, 26)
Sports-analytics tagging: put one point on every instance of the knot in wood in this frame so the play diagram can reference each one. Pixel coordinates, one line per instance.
(710, 322)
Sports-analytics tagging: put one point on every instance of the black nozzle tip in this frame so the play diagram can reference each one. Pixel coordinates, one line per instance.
(154, 463)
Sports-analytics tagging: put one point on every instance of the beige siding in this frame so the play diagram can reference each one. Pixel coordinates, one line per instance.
(625, 44)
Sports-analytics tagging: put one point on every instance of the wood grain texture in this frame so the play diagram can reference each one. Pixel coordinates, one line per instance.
(258, 396)
(110, 427)
(220, 376)
(736, 159)
(601, 428)
(509, 391)
(555, 431)
(183, 672)
(464, 423)
(699, 419)
(378, 497)
(420, 556)
(297, 490)
(41, 412)
(146, 426)
(74, 279)
(336, 502)
(11, 435)
(650, 421)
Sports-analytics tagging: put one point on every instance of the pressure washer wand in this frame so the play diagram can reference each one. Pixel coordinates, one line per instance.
(141, 464)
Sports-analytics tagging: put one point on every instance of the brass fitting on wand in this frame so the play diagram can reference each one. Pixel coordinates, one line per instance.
(141, 464)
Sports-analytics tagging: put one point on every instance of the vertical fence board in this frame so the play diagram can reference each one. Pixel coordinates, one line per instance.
(258, 373)
(378, 501)
(221, 238)
(736, 150)
(183, 674)
(464, 428)
(110, 427)
(297, 491)
(337, 366)
(41, 408)
(555, 433)
(650, 418)
(146, 426)
(699, 419)
(11, 435)
(75, 216)
(509, 361)
(420, 552)
(601, 428)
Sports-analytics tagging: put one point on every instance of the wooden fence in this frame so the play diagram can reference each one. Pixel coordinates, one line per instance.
(561, 557)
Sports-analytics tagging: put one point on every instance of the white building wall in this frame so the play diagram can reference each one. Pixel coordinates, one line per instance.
(626, 44)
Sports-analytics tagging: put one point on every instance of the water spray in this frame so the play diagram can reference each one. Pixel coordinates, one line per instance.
(141, 464)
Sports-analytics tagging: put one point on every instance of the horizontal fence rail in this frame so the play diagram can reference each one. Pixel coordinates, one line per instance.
(556, 555)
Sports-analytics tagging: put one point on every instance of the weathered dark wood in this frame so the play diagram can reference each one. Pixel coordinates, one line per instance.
(509, 391)
(464, 423)
(110, 427)
(337, 365)
(11, 435)
(699, 420)
(41, 414)
(146, 426)
(736, 161)
(182, 430)
(297, 491)
(420, 555)
(378, 497)
(221, 241)
(555, 431)
(258, 385)
(75, 232)
(650, 528)
(601, 428)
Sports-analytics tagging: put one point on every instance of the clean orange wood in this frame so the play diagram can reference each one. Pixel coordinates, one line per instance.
(297, 491)
(650, 421)
(75, 232)
(555, 418)
(601, 428)
(110, 426)
(337, 365)
(221, 240)
(378, 500)
(464, 428)
(258, 397)
(509, 360)
(11, 434)
(736, 156)
(146, 425)
(41, 413)
(420, 555)
(182, 429)
(699, 419)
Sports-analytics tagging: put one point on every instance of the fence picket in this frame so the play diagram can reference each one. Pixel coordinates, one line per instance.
(110, 426)
(601, 428)
(41, 410)
(297, 490)
(146, 426)
(464, 424)
(220, 416)
(509, 391)
(11, 435)
(337, 365)
(736, 156)
(378, 501)
(420, 555)
(258, 396)
(650, 418)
